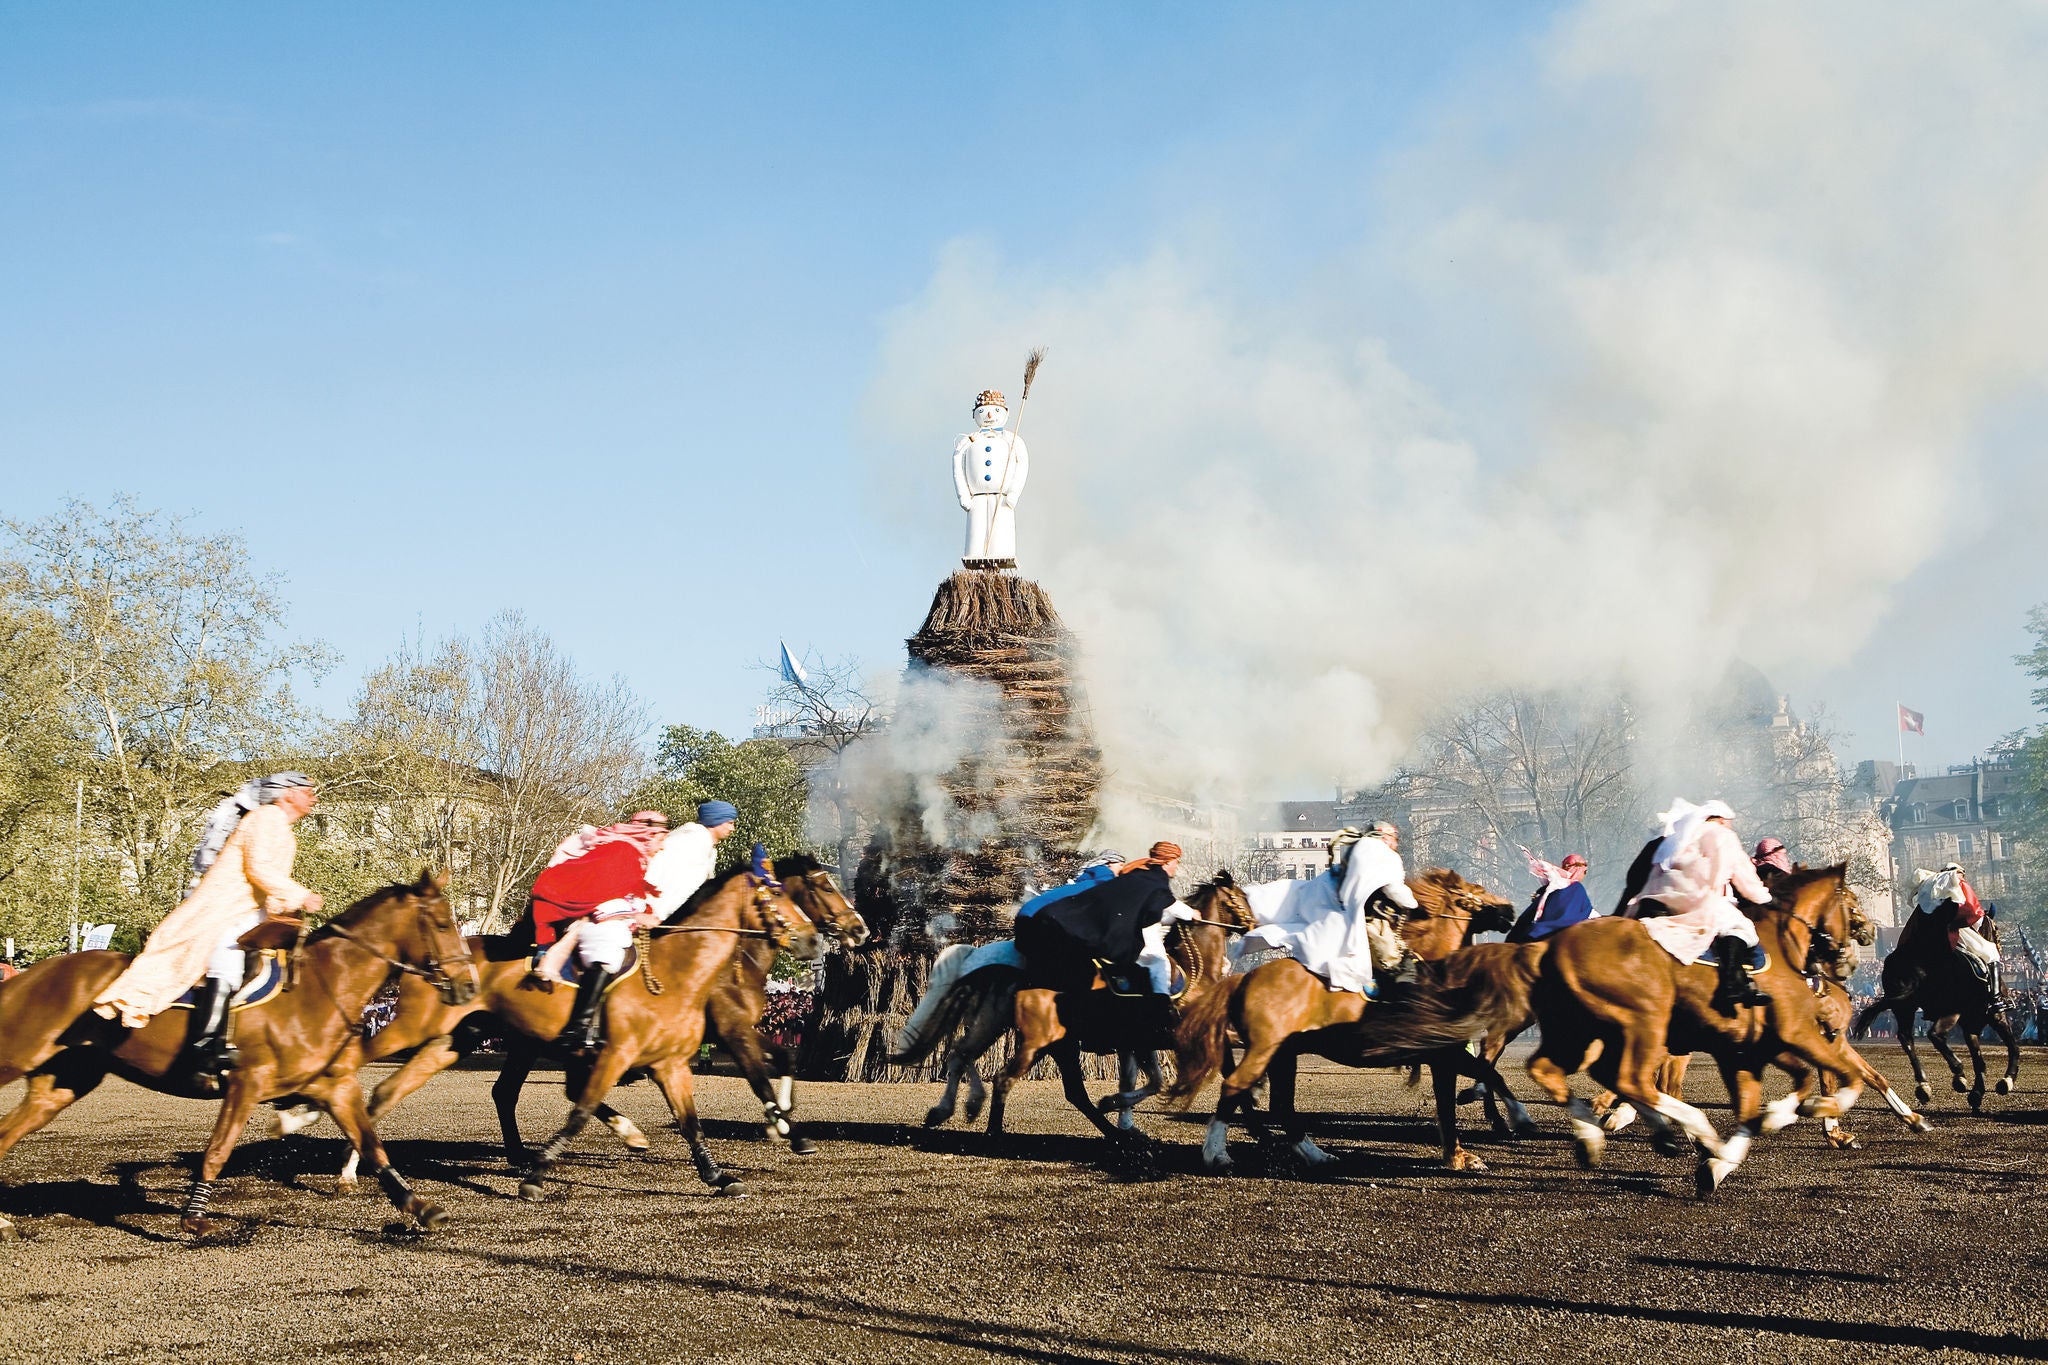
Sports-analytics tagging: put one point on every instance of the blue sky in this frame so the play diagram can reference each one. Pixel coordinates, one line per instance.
(462, 307)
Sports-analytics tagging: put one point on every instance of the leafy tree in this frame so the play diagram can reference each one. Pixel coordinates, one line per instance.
(164, 646)
(2030, 759)
(760, 776)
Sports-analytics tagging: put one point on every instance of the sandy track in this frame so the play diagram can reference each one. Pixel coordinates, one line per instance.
(894, 1243)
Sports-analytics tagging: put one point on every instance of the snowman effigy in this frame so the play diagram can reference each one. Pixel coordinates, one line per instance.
(990, 465)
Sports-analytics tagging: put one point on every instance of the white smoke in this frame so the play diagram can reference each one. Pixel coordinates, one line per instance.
(944, 727)
(1716, 300)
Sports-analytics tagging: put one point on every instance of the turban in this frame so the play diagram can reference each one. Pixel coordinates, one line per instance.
(1161, 854)
(648, 817)
(1771, 853)
(222, 819)
(714, 813)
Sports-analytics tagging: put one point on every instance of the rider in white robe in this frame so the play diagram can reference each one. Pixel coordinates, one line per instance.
(1328, 925)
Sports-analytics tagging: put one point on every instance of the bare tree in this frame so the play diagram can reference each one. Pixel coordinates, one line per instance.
(479, 755)
(818, 717)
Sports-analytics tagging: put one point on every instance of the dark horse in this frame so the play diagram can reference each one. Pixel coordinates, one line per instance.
(1923, 975)
(305, 1040)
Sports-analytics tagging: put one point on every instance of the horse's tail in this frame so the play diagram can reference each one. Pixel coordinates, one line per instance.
(942, 1007)
(1860, 1026)
(1201, 1038)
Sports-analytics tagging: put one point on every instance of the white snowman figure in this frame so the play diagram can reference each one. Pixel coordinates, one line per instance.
(989, 467)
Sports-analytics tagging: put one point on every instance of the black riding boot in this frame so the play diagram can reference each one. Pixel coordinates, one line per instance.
(209, 1056)
(586, 1021)
(1994, 981)
(1737, 986)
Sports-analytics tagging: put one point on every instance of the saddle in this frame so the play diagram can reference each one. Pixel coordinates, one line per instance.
(267, 980)
(572, 970)
(276, 933)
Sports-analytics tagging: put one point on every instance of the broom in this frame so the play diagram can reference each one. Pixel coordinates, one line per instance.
(1031, 364)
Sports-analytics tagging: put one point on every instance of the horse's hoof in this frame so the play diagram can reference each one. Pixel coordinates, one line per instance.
(639, 1146)
(1977, 1101)
(973, 1111)
(1462, 1160)
(1670, 1142)
(1959, 1083)
(1842, 1140)
(936, 1116)
(2004, 1086)
(531, 1190)
(1923, 1093)
(1589, 1151)
(347, 1184)
(1705, 1178)
(1919, 1124)
(802, 1146)
(1471, 1094)
(197, 1225)
(432, 1218)
(734, 1189)
(9, 1233)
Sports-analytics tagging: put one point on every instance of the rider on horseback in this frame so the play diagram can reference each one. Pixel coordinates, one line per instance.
(242, 871)
(1071, 928)
(1337, 924)
(1697, 861)
(1945, 902)
(1558, 904)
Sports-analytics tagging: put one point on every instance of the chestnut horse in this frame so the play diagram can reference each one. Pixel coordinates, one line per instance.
(1281, 1009)
(992, 1004)
(1828, 968)
(734, 1010)
(730, 909)
(1611, 1001)
(303, 1040)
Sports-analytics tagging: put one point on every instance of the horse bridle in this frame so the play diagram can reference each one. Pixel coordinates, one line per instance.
(435, 973)
(767, 891)
(1822, 949)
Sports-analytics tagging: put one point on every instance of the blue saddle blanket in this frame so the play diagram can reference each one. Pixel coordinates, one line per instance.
(268, 981)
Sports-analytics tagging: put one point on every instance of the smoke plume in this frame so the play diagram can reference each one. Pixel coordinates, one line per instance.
(1673, 344)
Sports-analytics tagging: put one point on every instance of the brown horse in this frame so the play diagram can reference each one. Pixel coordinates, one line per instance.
(1281, 1009)
(429, 1025)
(1610, 1000)
(733, 1015)
(303, 1040)
(991, 1004)
(656, 1017)
(719, 917)
(1828, 968)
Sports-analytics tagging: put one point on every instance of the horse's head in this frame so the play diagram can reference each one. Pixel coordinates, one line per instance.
(1821, 909)
(812, 886)
(772, 910)
(413, 928)
(1221, 899)
(1466, 907)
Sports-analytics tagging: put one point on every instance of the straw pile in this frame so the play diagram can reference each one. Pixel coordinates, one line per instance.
(1030, 793)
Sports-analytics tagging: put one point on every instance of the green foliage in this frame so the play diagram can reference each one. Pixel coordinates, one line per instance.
(757, 775)
(2030, 761)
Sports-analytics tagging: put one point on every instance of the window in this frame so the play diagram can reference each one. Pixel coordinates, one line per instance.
(1965, 845)
(1962, 810)
(1287, 843)
(1918, 812)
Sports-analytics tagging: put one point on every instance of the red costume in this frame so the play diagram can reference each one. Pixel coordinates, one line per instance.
(569, 891)
(1966, 914)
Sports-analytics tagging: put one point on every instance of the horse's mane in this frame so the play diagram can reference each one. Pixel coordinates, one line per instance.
(705, 893)
(1802, 876)
(798, 865)
(367, 906)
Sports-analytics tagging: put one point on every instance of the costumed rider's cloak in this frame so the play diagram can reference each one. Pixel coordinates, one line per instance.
(1558, 908)
(1110, 918)
(569, 891)
(1326, 926)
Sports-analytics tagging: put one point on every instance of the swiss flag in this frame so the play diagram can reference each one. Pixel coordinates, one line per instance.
(1911, 721)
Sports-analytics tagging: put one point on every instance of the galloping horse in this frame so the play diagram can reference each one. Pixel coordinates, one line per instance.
(656, 1017)
(423, 1023)
(303, 1040)
(1923, 975)
(1281, 1009)
(1828, 967)
(991, 1003)
(1610, 1000)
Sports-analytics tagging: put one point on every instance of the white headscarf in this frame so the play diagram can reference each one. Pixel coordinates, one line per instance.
(1682, 825)
(222, 819)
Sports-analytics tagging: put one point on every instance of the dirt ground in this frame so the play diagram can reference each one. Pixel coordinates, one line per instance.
(896, 1243)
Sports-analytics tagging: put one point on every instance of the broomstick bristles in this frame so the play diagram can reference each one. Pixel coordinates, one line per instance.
(1031, 364)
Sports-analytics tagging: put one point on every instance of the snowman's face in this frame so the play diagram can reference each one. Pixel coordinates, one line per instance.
(991, 416)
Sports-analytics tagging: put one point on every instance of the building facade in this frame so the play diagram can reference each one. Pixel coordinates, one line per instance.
(1967, 816)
